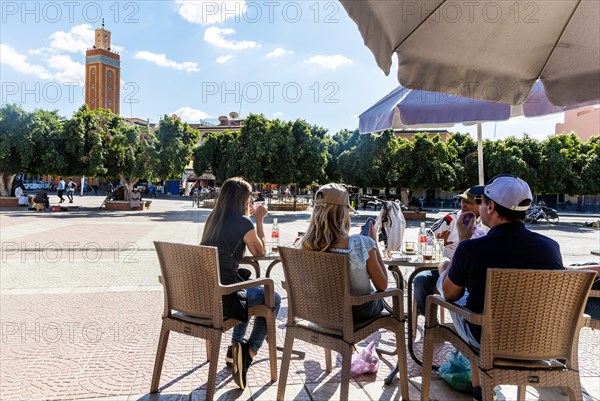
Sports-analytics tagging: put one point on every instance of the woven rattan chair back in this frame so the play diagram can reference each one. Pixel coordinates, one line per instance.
(191, 279)
(533, 314)
(325, 298)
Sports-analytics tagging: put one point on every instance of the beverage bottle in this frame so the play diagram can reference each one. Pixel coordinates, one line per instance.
(422, 238)
(275, 232)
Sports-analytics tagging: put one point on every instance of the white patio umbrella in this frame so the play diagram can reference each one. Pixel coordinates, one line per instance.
(404, 108)
(488, 50)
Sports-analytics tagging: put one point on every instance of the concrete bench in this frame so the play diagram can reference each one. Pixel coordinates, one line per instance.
(9, 201)
(125, 205)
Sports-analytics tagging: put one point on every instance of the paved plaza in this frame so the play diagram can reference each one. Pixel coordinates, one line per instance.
(81, 312)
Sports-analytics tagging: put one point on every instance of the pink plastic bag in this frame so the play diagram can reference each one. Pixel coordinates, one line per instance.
(365, 361)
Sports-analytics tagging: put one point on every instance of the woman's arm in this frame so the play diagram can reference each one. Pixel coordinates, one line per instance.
(375, 266)
(255, 239)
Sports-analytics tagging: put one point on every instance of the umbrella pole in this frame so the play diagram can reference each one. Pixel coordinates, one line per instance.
(480, 153)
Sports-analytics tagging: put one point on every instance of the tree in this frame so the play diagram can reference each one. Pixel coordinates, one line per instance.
(338, 144)
(28, 142)
(430, 164)
(462, 150)
(132, 155)
(560, 170)
(309, 152)
(174, 148)
(217, 154)
(590, 173)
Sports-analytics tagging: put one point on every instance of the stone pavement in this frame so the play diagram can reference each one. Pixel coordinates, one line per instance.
(81, 308)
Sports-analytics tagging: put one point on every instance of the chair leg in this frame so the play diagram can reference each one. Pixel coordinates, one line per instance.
(415, 318)
(160, 357)
(487, 387)
(288, 346)
(427, 363)
(402, 364)
(345, 382)
(272, 341)
(521, 390)
(215, 343)
(328, 367)
(575, 394)
(208, 349)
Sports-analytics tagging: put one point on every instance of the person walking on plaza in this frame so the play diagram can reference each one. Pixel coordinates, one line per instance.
(229, 228)
(71, 187)
(424, 283)
(508, 245)
(328, 231)
(61, 189)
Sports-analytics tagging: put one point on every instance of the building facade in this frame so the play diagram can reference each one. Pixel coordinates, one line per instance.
(102, 74)
(584, 122)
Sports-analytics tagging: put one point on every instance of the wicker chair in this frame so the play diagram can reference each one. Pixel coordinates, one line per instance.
(193, 304)
(530, 330)
(320, 313)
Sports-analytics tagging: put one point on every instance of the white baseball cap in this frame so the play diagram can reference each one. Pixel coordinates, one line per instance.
(509, 191)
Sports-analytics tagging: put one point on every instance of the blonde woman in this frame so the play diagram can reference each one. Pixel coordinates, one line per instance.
(328, 231)
(230, 229)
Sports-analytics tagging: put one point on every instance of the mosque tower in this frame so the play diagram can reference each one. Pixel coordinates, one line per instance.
(102, 74)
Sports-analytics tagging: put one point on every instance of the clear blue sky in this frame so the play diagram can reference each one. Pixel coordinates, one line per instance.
(203, 59)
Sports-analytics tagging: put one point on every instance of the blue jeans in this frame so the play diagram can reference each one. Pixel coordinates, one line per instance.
(423, 286)
(255, 296)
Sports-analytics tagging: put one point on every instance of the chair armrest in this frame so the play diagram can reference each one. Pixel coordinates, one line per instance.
(594, 294)
(431, 310)
(390, 292)
(397, 300)
(267, 282)
(587, 320)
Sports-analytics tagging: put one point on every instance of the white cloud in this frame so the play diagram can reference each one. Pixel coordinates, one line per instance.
(77, 40)
(224, 59)
(354, 116)
(188, 114)
(279, 52)
(67, 69)
(163, 61)
(210, 12)
(216, 37)
(329, 62)
(12, 58)
(277, 114)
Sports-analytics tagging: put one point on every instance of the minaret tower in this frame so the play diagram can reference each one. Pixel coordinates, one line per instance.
(102, 74)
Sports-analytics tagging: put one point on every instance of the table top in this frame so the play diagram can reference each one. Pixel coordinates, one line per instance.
(595, 252)
(269, 256)
(413, 261)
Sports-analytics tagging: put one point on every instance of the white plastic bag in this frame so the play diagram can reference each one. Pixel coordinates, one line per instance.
(365, 361)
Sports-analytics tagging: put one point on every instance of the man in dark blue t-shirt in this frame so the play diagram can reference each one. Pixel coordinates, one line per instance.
(508, 244)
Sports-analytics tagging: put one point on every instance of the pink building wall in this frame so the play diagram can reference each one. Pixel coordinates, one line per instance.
(584, 122)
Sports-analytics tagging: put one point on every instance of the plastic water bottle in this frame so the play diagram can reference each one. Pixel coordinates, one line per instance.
(275, 232)
(422, 238)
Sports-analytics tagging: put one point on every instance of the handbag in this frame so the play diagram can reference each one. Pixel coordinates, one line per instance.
(457, 372)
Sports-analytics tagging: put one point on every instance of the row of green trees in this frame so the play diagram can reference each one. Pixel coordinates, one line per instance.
(100, 144)
(296, 152)
(92, 143)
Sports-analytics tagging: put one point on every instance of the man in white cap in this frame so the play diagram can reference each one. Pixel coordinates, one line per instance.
(508, 244)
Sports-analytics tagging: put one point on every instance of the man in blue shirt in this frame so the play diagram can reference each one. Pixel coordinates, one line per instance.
(508, 244)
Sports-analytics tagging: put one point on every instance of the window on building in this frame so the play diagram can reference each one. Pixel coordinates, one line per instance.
(110, 74)
(110, 102)
(110, 87)
(93, 71)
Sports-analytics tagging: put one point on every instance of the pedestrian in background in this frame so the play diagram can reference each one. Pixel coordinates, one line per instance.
(61, 189)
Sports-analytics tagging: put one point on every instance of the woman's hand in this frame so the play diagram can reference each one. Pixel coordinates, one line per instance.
(372, 232)
(259, 212)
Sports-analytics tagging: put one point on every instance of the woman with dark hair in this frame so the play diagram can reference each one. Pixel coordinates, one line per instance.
(230, 229)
